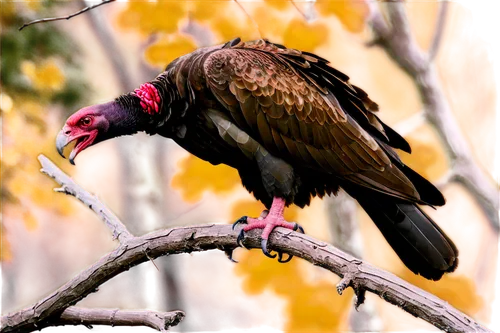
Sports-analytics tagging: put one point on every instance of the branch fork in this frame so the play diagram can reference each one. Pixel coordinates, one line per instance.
(350, 280)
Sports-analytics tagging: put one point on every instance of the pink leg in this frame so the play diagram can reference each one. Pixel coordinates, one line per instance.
(268, 222)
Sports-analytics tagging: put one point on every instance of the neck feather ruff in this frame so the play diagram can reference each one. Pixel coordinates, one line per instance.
(150, 98)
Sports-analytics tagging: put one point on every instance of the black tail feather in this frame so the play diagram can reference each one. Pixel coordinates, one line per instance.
(418, 241)
(428, 192)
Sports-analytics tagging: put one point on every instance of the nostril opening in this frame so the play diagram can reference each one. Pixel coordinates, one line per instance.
(67, 132)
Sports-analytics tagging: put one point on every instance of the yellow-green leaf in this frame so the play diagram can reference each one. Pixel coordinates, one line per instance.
(167, 49)
(46, 76)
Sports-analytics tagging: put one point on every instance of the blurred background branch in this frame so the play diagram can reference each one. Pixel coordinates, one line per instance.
(395, 37)
(439, 29)
(345, 235)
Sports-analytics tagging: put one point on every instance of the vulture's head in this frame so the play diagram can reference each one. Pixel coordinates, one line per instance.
(126, 115)
(97, 123)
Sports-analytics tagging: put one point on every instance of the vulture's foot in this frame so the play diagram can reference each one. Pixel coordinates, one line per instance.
(267, 221)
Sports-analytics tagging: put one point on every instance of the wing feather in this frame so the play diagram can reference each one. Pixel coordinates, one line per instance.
(307, 113)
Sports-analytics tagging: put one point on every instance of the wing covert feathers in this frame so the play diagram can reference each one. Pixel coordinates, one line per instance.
(307, 113)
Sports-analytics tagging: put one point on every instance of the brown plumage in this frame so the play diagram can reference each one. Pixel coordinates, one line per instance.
(290, 102)
(294, 128)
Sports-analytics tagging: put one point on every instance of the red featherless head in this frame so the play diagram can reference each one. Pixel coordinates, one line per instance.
(150, 98)
(101, 122)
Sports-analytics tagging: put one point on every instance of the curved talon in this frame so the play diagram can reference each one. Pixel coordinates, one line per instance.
(239, 240)
(264, 249)
(242, 220)
(299, 228)
(267, 221)
(229, 254)
(280, 258)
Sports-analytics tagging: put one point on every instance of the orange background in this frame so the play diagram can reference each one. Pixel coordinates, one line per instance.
(48, 238)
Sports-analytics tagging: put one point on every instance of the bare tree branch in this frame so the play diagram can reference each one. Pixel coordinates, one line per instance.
(159, 321)
(438, 32)
(357, 274)
(345, 235)
(60, 18)
(68, 186)
(397, 40)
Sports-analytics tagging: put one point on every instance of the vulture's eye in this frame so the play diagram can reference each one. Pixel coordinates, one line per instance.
(86, 121)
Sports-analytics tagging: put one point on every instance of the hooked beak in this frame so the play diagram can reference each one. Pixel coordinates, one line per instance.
(61, 142)
(65, 137)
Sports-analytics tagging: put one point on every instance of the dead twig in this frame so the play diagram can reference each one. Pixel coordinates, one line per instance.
(68, 186)
(159, 321)
(60, 18)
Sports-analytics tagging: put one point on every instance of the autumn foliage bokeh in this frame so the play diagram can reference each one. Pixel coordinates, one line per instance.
(52, 69)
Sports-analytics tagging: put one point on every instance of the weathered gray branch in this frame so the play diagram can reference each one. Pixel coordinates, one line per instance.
(68, 186)
(362, 276)
(159, 321)
(396, 39)
(357, 274)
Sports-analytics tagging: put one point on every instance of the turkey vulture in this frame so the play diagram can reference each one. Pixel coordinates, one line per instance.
(293, 127)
